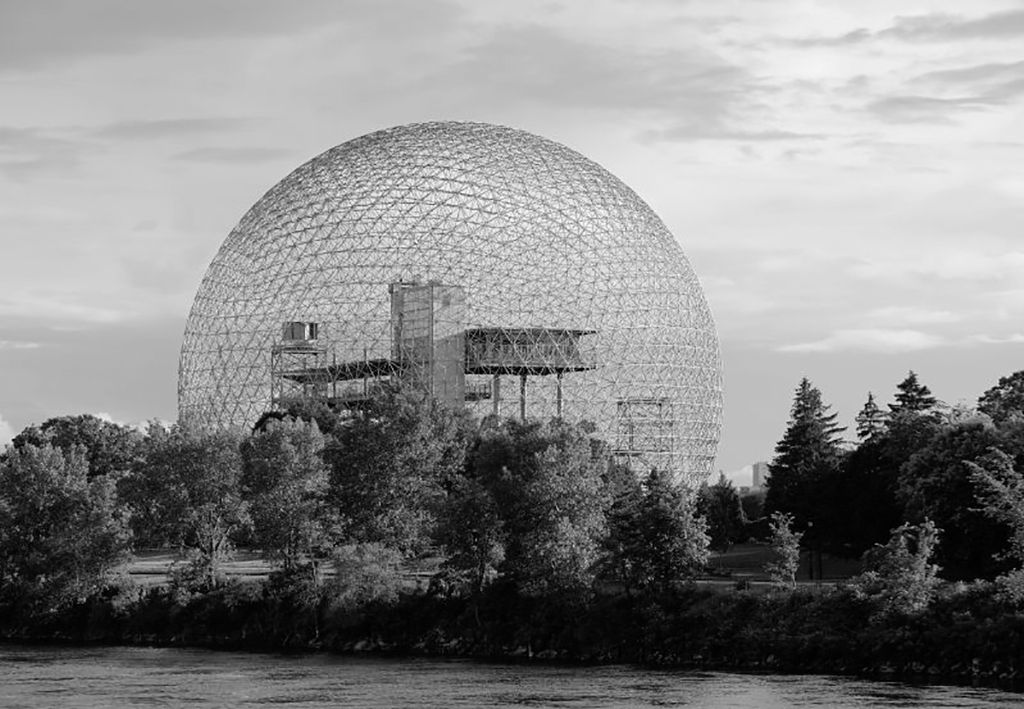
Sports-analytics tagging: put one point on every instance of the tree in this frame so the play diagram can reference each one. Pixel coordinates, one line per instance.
(547, 485)
(285, 482)
(390, 465)
(807, 456)
(785, 546)
(719, 505)
(936, 484)
(623, 538)
(364, 574)
(61, 534)
(673, 541)
(473, 534)
(1004, 401)
(109, 447)
(187, 492)
(871, 420)
(900, 575)
(1000, 490)
(752, 502)
(866, 500)
(912, 397)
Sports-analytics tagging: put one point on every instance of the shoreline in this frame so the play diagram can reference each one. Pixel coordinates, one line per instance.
(964, 638)
(909, 676)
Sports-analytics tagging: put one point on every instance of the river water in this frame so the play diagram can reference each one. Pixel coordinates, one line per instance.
(38, 677)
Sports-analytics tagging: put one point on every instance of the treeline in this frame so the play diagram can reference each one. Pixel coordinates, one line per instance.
(920, 474)
(540, 506)
(543, 545)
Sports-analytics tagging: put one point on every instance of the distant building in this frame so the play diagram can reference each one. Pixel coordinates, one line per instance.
(760, 474)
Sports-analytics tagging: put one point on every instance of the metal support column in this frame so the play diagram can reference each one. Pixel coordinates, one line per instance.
(522, 397)
(558, 401)
(496, 394)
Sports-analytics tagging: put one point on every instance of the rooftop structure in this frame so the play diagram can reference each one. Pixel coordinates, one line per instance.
(481, 263)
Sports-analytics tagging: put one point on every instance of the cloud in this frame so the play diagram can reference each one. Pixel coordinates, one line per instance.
(949, 264)
(938, 27)
(234, 156)
(693, 131)
(29, 152)
(742, 477)
(6, 433)
(60, 307)
(925, 109)
(852, 37)
(140, 426)
(879, 340)
(1014, 339)
(933, 27)
(902, 315)
(18, 345)
(45, 32)
(991, 72)
(965, 89)
(694, 92)
(896, 341)
(167, 128)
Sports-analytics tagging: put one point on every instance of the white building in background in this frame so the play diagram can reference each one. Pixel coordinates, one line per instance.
(760, 474)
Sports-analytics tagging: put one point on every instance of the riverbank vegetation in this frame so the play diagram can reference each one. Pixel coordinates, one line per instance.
(539, 542)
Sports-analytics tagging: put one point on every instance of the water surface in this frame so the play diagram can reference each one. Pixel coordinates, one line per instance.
(37, 677)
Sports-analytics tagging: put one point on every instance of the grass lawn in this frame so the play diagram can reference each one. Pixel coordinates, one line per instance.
(747, 561)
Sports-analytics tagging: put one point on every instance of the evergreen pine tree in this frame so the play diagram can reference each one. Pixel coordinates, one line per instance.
(871, 419)
(912, 397)
(808, 453)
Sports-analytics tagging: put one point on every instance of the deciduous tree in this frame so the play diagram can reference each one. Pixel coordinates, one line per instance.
(719, 505)
(900, 574)
(1004, 401)
(785, 546)
(390, 465)
(109, 447)
(1000, 490)
(547, 485)
(285, 482)
(673, 542)
(473, 535)
(61, 534)
(188, 490)
(936, 484)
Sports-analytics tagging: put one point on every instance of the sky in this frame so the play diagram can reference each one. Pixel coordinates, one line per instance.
(847, 179)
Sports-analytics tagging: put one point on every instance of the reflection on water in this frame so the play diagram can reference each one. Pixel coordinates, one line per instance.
(35, 677)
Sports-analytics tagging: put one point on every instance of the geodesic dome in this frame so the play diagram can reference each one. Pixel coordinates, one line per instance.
(500, 270)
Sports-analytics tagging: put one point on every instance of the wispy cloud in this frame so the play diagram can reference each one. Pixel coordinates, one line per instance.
(6, 433)
(59, 308)
(880, 340)
(925, 109)
(933, 27)
(234, 156)
(938, 27)
(1013, 339)
(157, 129)
(26, 153)
(44, 32)
(18, 345)
(693, 92)
(903, 315)
(961, 264)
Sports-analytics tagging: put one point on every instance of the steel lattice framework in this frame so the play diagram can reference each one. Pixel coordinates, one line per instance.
(495, 266)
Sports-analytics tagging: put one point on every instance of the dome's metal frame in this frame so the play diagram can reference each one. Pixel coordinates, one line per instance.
(486, 263)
